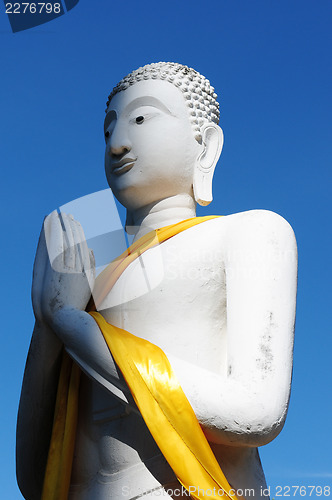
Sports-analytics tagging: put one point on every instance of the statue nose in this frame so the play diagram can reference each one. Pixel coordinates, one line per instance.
(119, 150)
(119, 143)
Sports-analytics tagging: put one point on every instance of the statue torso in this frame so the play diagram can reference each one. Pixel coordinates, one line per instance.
(174, 295)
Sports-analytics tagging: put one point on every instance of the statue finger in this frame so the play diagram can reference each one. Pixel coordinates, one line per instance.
(54, 241)
(84, 250)
(79, 256)
(92, 274)
(87, 262)
(67, 222)
(92, 260)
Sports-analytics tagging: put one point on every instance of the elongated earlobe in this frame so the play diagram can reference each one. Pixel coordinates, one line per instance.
(212, 139)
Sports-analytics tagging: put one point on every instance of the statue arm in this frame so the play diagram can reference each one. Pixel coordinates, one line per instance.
(248, 405)
(66, 288)
(38, 394)
(59, 296)
(85, 343)
(36, 410)
(62, 283)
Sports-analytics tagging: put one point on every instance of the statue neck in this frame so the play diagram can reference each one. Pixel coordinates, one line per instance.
(159, 214)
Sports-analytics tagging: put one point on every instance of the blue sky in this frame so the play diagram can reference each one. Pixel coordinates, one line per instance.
(269, 62)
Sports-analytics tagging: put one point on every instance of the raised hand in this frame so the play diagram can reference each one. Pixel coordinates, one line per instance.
(64, 268)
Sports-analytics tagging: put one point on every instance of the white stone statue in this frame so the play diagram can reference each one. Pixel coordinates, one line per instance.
(222, 309)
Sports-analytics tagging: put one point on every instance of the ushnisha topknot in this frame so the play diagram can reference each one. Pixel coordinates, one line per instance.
(200, 96)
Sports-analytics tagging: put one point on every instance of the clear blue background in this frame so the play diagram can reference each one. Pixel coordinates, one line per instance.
(269, 61)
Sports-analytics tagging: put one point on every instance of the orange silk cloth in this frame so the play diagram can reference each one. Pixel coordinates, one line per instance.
(167, 412)
(155, 389)
(113, 271)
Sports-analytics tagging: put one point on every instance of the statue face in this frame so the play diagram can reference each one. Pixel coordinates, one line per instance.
(150, 145)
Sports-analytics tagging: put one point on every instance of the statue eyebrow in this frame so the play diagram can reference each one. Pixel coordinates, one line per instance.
(147, 101)
(136, 103)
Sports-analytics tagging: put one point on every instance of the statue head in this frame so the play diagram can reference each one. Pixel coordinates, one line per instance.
(162, 123)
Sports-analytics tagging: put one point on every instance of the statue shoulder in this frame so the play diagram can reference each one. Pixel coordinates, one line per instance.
(257, 226)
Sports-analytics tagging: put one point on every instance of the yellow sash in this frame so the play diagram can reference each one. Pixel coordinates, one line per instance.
(167, 412)
(156, 391)
(113, 271)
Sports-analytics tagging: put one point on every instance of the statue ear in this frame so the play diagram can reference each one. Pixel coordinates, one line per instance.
(212, 140)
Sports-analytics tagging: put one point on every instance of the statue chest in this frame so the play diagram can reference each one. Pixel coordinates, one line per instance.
(174, 295)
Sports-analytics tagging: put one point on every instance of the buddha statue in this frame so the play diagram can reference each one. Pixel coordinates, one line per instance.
(218, 298)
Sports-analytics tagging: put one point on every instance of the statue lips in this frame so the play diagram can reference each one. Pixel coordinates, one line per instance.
(122, 166)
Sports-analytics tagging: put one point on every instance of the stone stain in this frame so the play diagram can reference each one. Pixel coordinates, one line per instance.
(265, 362)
